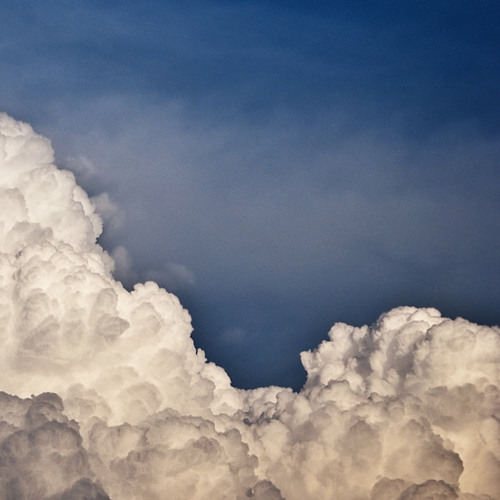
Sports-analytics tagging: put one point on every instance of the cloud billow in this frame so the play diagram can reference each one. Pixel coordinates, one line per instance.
(106, 396)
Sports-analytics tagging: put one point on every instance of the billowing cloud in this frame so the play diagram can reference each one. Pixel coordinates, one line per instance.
(106, 396)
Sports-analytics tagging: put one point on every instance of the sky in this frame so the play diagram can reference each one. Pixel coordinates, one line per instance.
(279, 166)
(249, 251)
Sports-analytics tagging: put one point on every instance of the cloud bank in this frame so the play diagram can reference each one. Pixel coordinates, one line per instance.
(106, 396)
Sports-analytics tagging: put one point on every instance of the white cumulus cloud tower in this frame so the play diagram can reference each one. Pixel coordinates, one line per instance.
(105, 395)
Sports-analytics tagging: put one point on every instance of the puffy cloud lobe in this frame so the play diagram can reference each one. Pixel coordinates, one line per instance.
(404, 409)
(28, 176)
(415, 381)
(41, 451)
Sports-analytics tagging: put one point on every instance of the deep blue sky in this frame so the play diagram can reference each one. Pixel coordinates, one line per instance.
(279, 165)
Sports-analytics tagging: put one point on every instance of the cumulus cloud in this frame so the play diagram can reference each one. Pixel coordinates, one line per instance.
(106, 396)
(41, 451)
